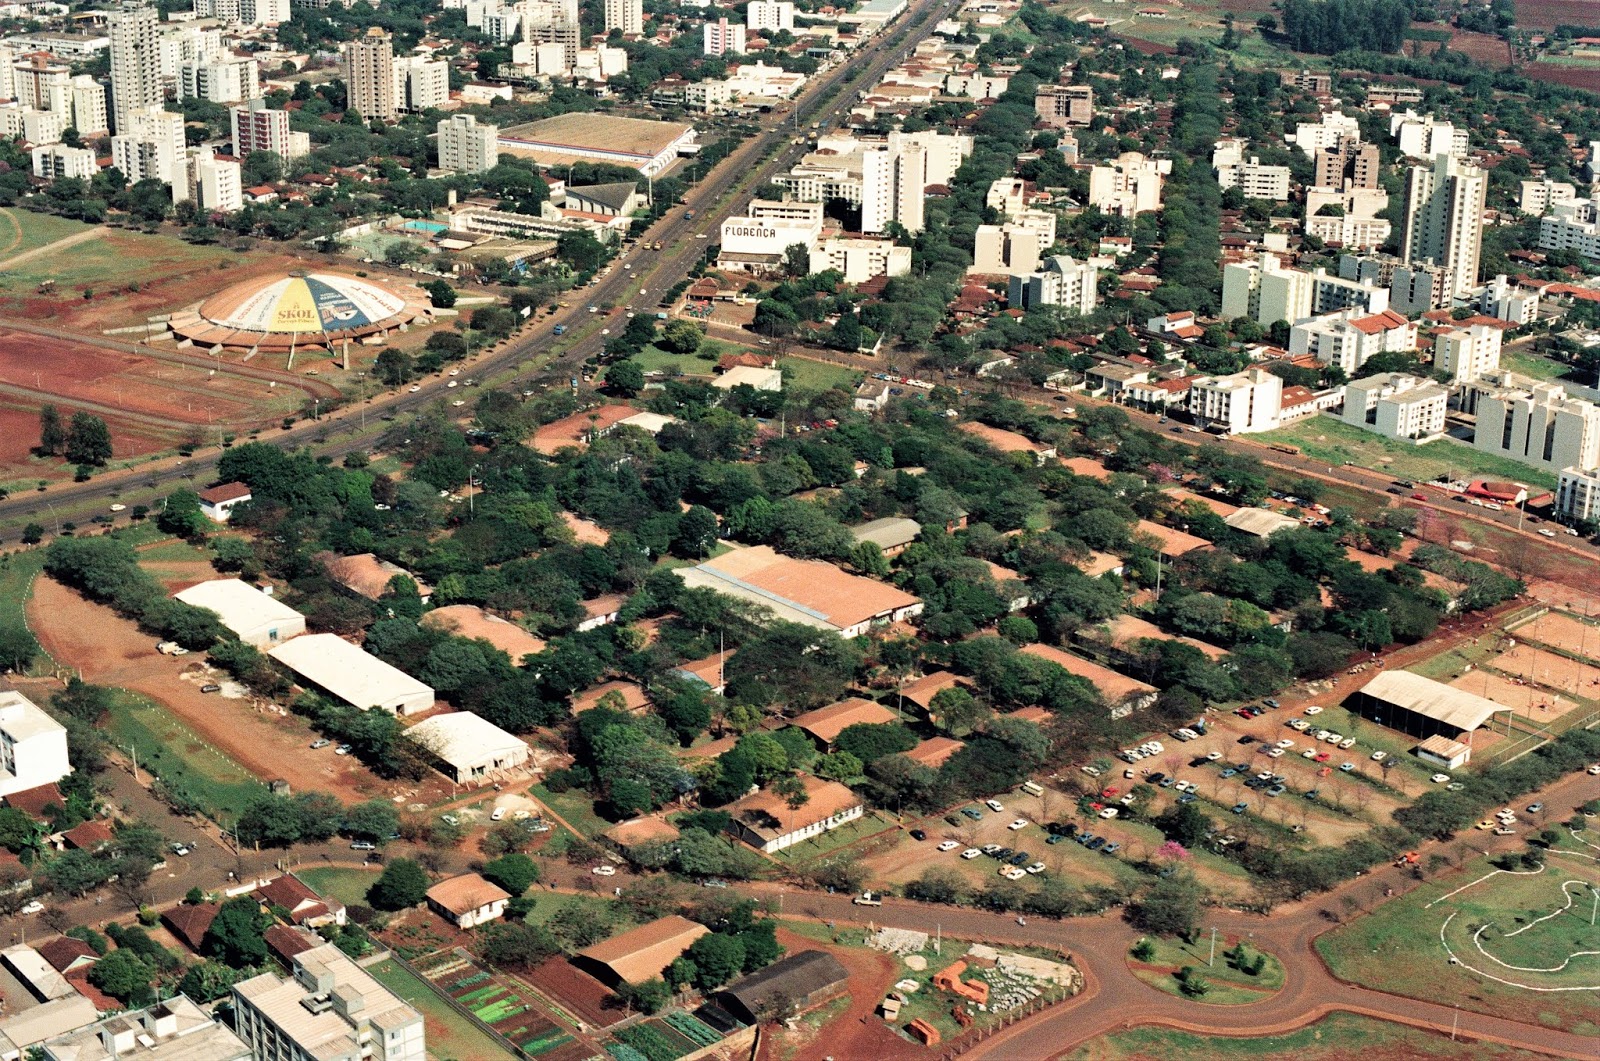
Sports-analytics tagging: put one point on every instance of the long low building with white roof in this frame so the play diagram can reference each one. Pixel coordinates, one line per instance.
(469, 747)
(256, 618)
(355, 676)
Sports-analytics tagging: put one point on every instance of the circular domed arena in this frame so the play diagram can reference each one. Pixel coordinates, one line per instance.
(301, 310)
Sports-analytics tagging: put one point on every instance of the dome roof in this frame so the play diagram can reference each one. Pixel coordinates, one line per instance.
(314, 303)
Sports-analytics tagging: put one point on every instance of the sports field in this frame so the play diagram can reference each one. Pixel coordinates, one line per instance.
(1520, 940)
(1561, 631)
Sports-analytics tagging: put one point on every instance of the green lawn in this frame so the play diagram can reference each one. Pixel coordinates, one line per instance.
(104, 261)
(1228, 986)
(173, 752)
(450, 1035)
(349, 886)
(1398, 947)
(17, 572)
(547, 904)
(36, 230)
(1334, 1038)
(575, 808)
(654, 359)
(1526, 364)
(1325, 438)
(175, 551)
(818, 375)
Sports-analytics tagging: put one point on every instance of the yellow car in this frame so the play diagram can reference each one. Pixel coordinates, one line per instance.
(1487, 823)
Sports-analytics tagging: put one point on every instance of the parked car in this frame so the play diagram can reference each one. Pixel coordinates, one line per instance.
(363, 845)
(1240, 807)
(918, 835)
(604, 871)
(1111, 848)
(971, 853)
(949, 845)
(343, 749)
(1020, 823)
(32, 907)
(498, 814)
(320, 742)
(994, 805)
(1036, 868)
(179, 848)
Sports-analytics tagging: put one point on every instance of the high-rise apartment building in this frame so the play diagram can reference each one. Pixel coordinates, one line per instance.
(627, 16)
(1063, 281)
(465, 146)
(257, 127)
(1129, 185)
(1242, 403)
(723, 37)
(420, 84)
(151, 147)
(219, 79)
(770, 15)
(135, 30)
(1467, 354)
(369, 76)
(892, 186)
(83, 101)
(34, 76)
(55, 161)
(215, 184)
(1539, 425)
(1348, 161)
(1443, 219)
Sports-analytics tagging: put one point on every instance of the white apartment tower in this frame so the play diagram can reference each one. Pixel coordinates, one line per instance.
(135, 60)
(1443, 219)
(215, 184)
(892, 184)
(723, 37)
(1540, 425)
(1063, 282)
(54, 162)
(1467, 354)
(465, 146)
(770, 15)
(152, 148)
(625, 15)
(219, 79)
(420, 84)
(33, 746)
(369, 76)
(1242, 403)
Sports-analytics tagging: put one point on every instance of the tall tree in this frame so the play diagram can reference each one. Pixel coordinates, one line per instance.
(88, 440)
(52, 433)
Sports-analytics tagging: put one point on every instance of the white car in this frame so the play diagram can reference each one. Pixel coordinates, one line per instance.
(1274, 753)
(1109, 812)
(994, 805)
(1321, 734)
(1286, 743)
(1595, 769)
(1313, 710)
(1439, 779)
(1309, 753)
(971, 853)
(1012, 873)
(1299, 725)
(1020, 823)
(1212, 757)
(1036, 868)
(1347, 743)
(604, 871)
(1547, 532)
(1379, 757)
(499, 813)
(1334, 738)
(949, 845)
(414, 388)
(34, 907)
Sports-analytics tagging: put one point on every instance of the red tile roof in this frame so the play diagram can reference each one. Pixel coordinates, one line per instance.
(225, 492)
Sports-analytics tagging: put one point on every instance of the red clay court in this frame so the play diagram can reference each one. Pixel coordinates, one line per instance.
(1562, 631)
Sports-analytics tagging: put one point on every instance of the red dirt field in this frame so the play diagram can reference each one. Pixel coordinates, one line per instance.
(1573, 76)
(858, 1032)
(580, 993)
(1547, 14)
(1483, 48)
(1144, 47)
(19, 430)
(137, 384)
(113, 651)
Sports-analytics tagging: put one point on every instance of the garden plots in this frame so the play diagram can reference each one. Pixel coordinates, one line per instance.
(507, 1008)
(1516, 944)
(450, 1033)
(664, 1038)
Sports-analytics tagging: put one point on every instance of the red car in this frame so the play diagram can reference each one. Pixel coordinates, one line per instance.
(1323, 757)
(1418, 497)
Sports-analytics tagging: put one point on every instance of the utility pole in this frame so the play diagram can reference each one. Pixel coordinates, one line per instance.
(1212, 959)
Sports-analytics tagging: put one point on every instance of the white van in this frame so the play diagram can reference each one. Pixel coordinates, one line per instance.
(1033, 788)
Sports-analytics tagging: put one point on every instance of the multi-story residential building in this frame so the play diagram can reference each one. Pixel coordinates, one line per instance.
(257, 127)
(465, 146)
(1347, 339)
(1330, 294)
(1312, 137)
(1539, 425)
(135, 30)
(1573, 226)
(1014, 247)
(1253, 179)
(330, 1008)
(861, 259)
(1538, 196)
(1348, 164)
(1063, 281)
(1265, 291)
(1443, 219)
(1467, 354)
(770, 16)
(722, 37)
(369, 76)
(215, 184)
(33, 746)
(628, 16)
(1243, 403)
(172, 1030)
(892, 188)
(420, 83)
(33, 77)
(1422, 136)
(1507, 301)
(82, 101)
(1578, 495)
(219, 79)
(1064, 105)
(945, 151)
(55, 161)
(151, 147)
(1413, 289)
(1128, 186)
(1307, 81)
(37, 128)
(1396, 405)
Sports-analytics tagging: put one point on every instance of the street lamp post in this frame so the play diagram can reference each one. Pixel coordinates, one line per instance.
(1213, 956)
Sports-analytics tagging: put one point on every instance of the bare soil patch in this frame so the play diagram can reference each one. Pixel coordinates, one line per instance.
(1547, 14)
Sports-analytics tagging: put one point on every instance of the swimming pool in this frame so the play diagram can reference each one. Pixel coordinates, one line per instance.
(433, 228)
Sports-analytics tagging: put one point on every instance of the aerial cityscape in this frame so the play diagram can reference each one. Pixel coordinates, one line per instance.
(799, 530)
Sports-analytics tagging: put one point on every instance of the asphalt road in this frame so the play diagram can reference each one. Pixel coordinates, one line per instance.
(529, 353)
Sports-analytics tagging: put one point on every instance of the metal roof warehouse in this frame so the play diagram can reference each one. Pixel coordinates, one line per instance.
(257, 618)
(352, 674)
